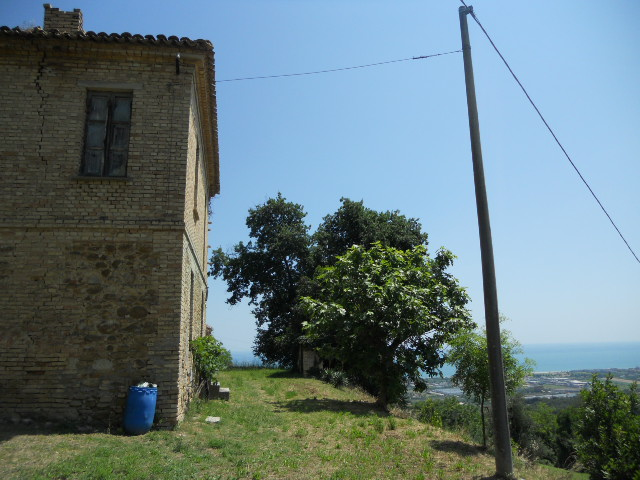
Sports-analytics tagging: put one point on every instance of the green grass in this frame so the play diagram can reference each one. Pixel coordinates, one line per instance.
(276, 426)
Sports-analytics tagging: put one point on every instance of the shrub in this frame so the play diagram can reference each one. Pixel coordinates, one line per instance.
(429, 412)
(334, 377)
(534, 429)
(209, 357)
(450, 414)
(609, 431)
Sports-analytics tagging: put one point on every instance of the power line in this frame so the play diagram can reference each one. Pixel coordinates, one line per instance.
(473, 15)
(421, 57)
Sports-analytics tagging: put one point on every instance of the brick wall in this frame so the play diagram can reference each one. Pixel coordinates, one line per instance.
(93, 271)
(194, 254)
(54, 18)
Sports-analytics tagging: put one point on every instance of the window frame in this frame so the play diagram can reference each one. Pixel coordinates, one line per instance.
(109, 147)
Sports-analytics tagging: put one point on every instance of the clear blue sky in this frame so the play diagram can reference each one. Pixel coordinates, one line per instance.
(396, 136)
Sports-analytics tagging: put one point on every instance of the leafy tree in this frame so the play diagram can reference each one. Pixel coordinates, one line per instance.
(394, 311)
(355, 224)
(468, 353)
(275, 268)
(267, 271)
(608, 440)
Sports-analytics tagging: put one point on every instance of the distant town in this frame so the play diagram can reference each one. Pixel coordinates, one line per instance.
(547, 385)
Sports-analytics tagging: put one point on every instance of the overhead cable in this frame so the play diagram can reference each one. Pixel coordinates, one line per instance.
(421, 57)
(473, 15)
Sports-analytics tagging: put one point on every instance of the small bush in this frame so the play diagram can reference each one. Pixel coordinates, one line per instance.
(334, 377)
(429, 412)
(209, 357)
(450, 414)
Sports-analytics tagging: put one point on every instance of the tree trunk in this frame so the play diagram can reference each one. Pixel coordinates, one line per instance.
(383, 397)
(383, 387)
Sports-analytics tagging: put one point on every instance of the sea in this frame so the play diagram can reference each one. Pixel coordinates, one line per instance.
(583, 356)
(552, 357)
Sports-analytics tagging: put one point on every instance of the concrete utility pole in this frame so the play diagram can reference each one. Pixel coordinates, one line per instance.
(504, 461)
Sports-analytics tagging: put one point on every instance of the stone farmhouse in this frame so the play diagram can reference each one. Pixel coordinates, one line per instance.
(109, 159)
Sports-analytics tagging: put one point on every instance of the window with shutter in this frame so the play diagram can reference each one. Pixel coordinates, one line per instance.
(107, 134)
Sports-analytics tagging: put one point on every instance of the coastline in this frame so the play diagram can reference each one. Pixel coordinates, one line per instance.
(550, 358)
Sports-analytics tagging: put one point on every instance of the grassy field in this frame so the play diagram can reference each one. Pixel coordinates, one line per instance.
(275, 426)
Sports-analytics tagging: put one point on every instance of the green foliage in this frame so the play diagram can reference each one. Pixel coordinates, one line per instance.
(274, 269)
(335, 377)
(608, 441)
(565, 441)
(394, 311)
(451, 414)
(538, 431)
(209, 357)
(355, 224)
(268, 271)
(469, 355)
(533, 429)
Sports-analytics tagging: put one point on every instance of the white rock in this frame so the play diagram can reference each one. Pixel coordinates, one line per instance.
(212, 419)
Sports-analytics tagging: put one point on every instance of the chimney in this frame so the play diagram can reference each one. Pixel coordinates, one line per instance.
(55, 19)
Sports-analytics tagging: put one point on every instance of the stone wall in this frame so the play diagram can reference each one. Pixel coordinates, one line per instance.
(95, 286)
(89, 315)
(57, 19)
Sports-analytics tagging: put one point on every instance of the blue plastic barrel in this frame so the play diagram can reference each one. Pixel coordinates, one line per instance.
(140, 410)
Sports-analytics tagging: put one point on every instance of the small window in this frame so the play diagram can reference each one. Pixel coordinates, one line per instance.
(106, 147)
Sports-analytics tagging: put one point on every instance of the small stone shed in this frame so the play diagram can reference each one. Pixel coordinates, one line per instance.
(109, 159)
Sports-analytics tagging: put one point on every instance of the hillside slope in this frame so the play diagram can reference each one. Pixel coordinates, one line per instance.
(275, 426)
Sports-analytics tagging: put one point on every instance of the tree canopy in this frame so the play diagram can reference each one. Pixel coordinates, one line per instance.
(267, 271)
(355, 224)
(276, 267)
(386, 315)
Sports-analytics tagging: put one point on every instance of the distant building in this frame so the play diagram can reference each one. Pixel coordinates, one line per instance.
(109, 157)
